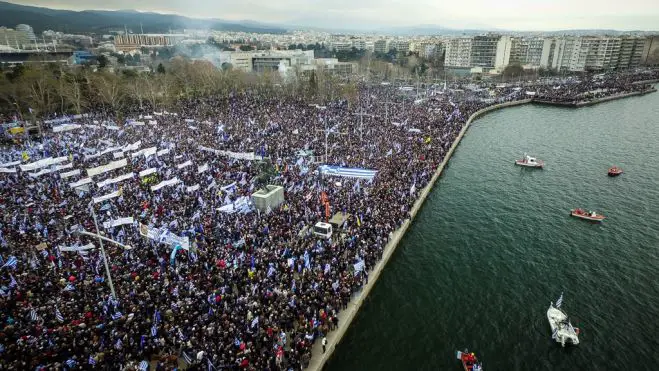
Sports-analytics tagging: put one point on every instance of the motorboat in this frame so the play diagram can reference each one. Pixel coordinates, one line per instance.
(561, 329)
(529, 161)
(615, 171)
(587, 215)
(469, 361)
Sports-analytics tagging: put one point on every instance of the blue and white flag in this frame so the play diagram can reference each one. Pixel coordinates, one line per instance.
(118, 344)
(359, 266)
(255, 322)
(58, 315)
(71, 363)
(559, 302)
(11, 262)
(91, 360)
(154, 330)
(117, 315)
(69, 287)
(187, 358)
(181, 336)
(33, 314)
(144, 365)
(555, 333)
(13, 282)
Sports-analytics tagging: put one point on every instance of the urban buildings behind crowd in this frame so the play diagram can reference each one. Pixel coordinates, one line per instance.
(487, 53)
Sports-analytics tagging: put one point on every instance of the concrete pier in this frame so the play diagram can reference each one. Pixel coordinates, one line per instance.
(346, 316)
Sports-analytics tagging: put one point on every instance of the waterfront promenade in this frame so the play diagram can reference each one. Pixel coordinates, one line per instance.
(346, 316)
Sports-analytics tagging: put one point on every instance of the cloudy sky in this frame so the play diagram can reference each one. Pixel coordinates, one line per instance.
(528, 15)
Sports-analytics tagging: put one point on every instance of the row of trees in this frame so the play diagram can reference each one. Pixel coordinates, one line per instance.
(42, 89)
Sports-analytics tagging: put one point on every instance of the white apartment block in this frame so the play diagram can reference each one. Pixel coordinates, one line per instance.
(401, 46)
(341, 46)
(380, 46)
(458, 52)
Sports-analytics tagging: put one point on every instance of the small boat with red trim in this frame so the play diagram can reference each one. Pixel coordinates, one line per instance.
(469, 361)
(587, 215)
(615, 171)
(529, 161)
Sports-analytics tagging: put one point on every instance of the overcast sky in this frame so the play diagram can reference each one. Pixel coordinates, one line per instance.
(528, 15)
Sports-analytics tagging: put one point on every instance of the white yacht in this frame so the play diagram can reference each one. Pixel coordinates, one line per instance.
(562, 330)
(529, 161)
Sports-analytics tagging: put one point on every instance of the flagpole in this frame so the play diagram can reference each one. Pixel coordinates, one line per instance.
(105, 259)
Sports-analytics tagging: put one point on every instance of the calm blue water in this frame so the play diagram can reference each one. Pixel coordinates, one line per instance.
(494, 244)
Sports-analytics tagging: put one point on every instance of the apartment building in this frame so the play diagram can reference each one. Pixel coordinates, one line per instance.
(458, 52)
(380, 46)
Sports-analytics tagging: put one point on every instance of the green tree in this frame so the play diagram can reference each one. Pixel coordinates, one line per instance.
(246, 48)
(160, 69)
(102, 61)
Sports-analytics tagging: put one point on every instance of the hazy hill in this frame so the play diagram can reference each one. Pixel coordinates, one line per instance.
(101, 21)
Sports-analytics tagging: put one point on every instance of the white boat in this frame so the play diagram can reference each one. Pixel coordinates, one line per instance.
(561, 328)
(529, 161)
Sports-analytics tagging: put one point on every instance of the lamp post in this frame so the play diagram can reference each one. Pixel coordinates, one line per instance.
(100, 242)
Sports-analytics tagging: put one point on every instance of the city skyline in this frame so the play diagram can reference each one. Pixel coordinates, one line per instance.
(371, 15)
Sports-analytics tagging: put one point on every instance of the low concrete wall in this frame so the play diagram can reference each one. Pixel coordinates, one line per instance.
(346, 316)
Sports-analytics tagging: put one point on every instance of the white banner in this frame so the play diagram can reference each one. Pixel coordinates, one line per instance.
(43, 163)
(164, 184)
(77, 248)
(63, 167)
(193, 188)
(105, 168)
(150, 151)
(111, 127)
(237, 155)
(153, 122)
(10, 164)
(5, 170)
(185, 164)
(162, 152)
(70, 174)
(118, 222)
(40, 173)
(81, 182)
(118, 179)
(146, 172)
(132, 147)
(106, 197)
(202, 168)
(65, 127)
(117, 155)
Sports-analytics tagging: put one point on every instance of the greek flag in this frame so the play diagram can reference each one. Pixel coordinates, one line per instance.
(181, 336)
(154, 330)
(559, 302)
(13, 282)
(44, 253)
(187, 358)
(359, 266)
(118, 344)
(144, 365)
(255, 322)
(11, 262)
(553, 336)
(71, 363)
(116, 316)
(58, 315)
(69, 287)
(33, 314)
(271, 270)
(236, 342)
(91, 360)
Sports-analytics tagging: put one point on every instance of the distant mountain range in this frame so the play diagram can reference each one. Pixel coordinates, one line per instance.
(102, 21)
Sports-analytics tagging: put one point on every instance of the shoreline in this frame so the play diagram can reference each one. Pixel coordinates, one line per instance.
(318, 358)
(578, 104)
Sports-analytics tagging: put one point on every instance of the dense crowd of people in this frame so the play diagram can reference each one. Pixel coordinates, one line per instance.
(210, 281)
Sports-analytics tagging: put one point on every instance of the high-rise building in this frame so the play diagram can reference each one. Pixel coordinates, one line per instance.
(28, 30)
(650, 54)
(631, 51)
(380, 46)
(401, 46)
(484, 51)
(14, 38)
(458, 52)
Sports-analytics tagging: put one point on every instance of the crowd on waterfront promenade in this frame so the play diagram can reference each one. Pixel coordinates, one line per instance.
(210, 282)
